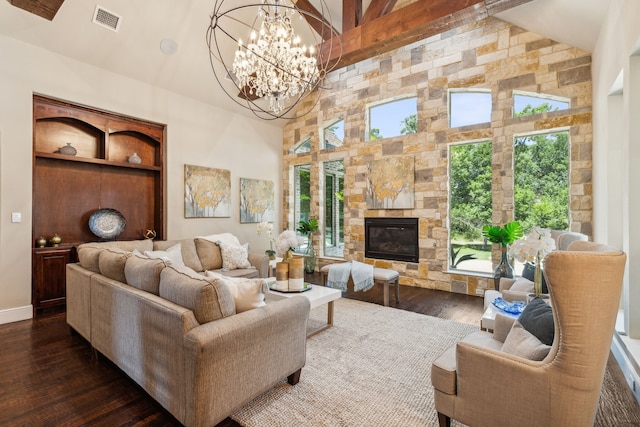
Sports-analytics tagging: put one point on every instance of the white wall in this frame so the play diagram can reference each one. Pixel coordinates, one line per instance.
(616, 154)
(197, 134)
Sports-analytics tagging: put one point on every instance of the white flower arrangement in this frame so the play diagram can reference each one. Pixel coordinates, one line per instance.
(266, 228)
(537, 244)
(287, 240)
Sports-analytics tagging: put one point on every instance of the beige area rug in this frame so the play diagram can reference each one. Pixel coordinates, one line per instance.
(372, 368)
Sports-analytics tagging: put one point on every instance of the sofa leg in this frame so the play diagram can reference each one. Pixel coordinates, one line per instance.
(295, 377)
(444, 420)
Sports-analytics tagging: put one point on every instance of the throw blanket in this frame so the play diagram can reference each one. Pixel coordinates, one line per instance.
(362, 275)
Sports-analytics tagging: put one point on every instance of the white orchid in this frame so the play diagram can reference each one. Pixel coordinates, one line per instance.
(537, 244)
(287, 240)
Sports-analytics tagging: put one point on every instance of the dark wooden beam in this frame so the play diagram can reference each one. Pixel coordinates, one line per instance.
(351, 14)
(305, 8)
(416, 21)
(378, 8)
(46, 9)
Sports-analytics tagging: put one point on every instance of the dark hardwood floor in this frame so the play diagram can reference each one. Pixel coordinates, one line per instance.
(50, 376)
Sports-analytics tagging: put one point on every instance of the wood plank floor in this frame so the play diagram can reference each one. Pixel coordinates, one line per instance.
(51, 377)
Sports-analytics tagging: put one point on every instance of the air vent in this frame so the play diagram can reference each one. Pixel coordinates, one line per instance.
(106, 19)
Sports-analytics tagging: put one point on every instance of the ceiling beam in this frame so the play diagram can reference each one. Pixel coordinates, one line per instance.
(416, 21)
(306, 9)
(46, 9)
(351, 14)
(378, 8)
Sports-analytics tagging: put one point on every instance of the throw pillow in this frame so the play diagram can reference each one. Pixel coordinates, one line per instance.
(234, 256)
(247, 293)
(522, 343)
(537, 318)
(522, 285)
(529, 271)
(173, 255)
(209, 254)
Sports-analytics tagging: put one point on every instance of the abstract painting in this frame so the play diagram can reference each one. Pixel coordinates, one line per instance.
(207, 192)
(256, 200)
(390, 183)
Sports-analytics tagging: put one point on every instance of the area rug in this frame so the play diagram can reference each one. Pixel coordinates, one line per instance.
(372, 368)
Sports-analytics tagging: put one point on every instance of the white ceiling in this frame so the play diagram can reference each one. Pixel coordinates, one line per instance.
(135, 50)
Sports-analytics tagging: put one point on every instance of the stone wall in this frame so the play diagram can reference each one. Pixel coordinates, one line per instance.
(490, 54)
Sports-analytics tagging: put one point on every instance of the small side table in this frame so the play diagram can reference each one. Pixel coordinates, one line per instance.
(489, 316)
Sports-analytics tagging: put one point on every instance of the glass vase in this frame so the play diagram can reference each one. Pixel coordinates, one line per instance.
(310, 257)
(504, 268)
(537, 278)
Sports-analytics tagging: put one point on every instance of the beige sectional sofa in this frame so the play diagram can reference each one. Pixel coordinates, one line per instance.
(176, 332)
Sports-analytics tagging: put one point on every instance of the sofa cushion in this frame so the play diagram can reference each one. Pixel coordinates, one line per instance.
(247, 293)
(88, 253)
(537, 318)
(112, 262)
(144, 273)
(522, 284)
(234, 256)
(172, 255)
(209, 254)
(209, 299)
(222, 237)
(188, 248)
(249, 273)
(522, 343)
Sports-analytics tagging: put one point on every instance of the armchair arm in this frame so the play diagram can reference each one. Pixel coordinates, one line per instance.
(261, 263)
(230, 361)
(523, 387)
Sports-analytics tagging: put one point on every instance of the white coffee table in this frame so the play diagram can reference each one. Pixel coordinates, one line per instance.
(318, 295)
(489, 317)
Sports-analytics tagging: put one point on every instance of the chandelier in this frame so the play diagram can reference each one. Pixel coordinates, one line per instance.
(272, 72)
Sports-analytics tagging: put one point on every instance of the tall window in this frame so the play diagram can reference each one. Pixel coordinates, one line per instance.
(333, 208)
(469, 107)
(470, 205)
(303, 146)
(541, 180)
(333, 134)
(393, 118)
(302, 194)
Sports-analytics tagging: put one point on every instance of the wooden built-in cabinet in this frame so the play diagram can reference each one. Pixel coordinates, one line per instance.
(67, 189)
(49, 271)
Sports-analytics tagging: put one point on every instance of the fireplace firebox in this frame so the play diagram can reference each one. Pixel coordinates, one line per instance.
(393, 239)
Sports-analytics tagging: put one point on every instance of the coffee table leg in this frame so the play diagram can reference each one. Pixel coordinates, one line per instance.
(330, 314)
(329, 324)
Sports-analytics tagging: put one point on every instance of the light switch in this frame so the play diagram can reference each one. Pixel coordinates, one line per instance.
(16, 217)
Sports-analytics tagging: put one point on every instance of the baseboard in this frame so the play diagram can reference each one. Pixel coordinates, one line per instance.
(628, 364)
(16, 314)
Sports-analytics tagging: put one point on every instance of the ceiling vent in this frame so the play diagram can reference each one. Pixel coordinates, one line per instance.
(106, 19)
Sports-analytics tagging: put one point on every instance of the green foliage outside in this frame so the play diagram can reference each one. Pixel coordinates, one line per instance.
(374, 134)
(541, 187)
(409, 125)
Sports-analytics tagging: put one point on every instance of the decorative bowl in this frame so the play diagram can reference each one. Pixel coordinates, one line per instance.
(107, 223)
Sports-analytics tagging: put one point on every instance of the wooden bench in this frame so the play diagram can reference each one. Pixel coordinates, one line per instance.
(384, 276)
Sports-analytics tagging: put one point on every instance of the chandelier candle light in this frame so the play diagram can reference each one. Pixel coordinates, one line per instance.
(274, 69)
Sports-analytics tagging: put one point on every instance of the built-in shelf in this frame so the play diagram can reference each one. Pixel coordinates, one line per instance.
(68, 158)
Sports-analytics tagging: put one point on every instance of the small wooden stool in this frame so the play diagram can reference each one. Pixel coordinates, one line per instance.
(380, 275)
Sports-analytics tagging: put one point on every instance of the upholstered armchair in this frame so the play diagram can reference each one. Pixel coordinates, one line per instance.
(479, 384)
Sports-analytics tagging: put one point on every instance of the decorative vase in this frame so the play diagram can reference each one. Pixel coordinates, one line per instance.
(134, 159)
(537, 278)
(296, 273)
(310, 257)
(504, 268)
(41, 242)
(271, 254)
(55, 240)
(288, 254)
(68, 149)
(282, 276)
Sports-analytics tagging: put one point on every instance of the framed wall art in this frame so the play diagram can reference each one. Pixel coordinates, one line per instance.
(256, 200)
(207, 192)
(390, 183)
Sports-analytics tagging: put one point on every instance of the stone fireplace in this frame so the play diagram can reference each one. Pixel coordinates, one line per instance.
(394, 239)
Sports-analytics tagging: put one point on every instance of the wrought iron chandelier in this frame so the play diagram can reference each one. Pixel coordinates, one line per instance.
(274, 69)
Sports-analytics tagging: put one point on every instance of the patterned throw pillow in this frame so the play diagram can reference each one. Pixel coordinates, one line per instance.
(234, 256)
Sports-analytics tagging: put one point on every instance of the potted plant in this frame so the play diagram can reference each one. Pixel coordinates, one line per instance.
(504, 236)
(310, 257)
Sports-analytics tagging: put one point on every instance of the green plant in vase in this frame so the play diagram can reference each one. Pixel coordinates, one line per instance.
(310, 256)
(504, 236)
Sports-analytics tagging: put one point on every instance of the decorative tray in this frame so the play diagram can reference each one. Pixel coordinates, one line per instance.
(307, 287)
(107, 223)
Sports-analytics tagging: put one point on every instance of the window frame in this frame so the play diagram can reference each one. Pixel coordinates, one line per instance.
(452, 91)
(369, 106)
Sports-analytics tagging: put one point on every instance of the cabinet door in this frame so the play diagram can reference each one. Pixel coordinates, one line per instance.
(49, 276)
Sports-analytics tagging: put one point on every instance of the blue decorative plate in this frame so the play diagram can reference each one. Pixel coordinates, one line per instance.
(107, 223)
(509, 307)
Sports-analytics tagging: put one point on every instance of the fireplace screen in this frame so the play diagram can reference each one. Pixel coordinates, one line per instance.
(391, 239)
